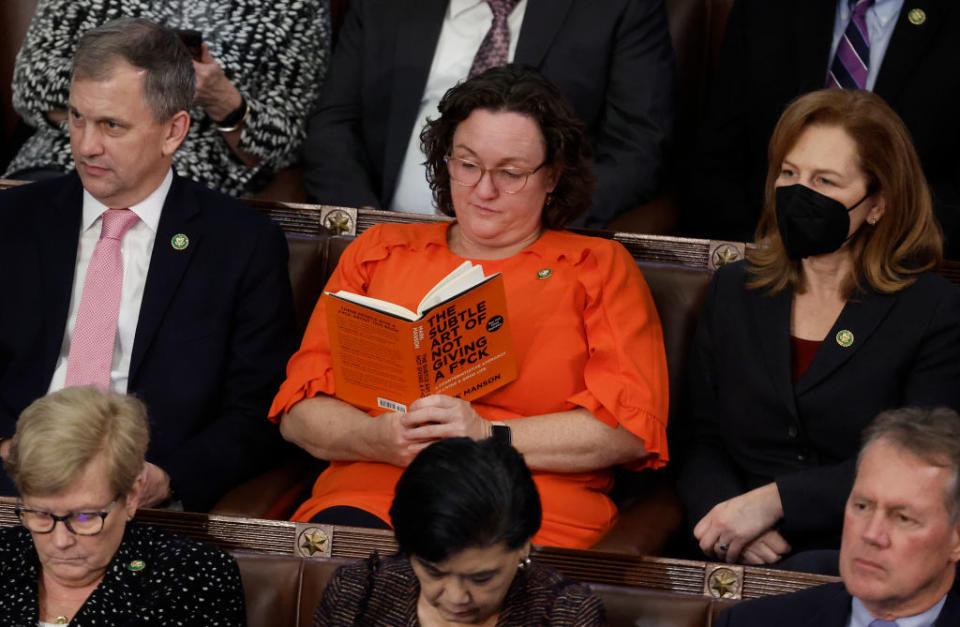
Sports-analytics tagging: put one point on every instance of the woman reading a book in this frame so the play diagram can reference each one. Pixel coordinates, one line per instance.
(510, 161)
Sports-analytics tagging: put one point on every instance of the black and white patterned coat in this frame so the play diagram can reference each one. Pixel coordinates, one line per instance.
(155, 578)
(274, 52)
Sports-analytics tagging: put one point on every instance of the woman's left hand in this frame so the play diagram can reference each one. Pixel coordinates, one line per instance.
(733, 524)
(215, 93)
(439, 416)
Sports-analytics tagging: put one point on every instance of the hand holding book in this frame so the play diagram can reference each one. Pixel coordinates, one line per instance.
(439, 416)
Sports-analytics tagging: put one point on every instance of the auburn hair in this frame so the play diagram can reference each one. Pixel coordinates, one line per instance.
(886, 255)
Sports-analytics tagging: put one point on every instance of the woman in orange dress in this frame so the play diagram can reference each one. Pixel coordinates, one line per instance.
(509, 160)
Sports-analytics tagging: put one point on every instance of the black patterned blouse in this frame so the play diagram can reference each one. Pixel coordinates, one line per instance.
(273, 51)
(155, 578)
(385, 592)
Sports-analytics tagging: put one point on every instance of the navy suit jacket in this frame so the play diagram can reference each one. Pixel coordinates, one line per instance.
(612, 59)
(775, 51)
(214, 333)
(750, 425)
(822, 606)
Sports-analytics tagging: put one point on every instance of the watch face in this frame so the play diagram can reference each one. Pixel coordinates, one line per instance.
(501, 433)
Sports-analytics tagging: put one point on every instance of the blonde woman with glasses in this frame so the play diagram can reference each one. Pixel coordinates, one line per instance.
(77, 459)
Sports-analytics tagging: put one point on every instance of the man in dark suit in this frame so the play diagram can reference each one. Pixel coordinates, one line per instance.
(613, 60)
(901, 534)
(776, 51)
(200, 323)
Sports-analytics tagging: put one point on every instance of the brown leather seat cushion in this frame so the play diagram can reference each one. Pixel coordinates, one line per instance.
(645, 608)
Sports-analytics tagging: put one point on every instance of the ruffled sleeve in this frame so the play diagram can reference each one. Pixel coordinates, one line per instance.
(310, 370)
(626, 371)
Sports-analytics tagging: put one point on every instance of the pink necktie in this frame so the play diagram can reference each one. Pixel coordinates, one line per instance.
(94, 335)
(494, 50)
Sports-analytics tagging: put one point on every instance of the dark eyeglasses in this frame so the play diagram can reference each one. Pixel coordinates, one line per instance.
(79, 523)
(507, 180)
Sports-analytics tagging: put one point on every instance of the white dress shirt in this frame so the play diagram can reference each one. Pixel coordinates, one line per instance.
(860, 616)
(465, 24)
(136, 247)
(881, 20)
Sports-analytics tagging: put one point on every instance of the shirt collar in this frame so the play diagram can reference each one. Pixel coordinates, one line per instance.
(459, 6)
(883, 9)
(148, 210)
(862, 617)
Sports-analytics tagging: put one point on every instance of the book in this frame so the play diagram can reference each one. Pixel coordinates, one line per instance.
(457, 342)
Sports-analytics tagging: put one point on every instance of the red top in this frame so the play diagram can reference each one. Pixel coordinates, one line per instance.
(802, 353)
(587, 335)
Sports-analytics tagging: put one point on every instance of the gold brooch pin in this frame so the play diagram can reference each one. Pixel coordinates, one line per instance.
(845, 338)
(179, 241)
(544, 273)
(917, 16)
(136, 565)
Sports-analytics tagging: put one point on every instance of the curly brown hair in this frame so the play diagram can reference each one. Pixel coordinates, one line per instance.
(514, 89)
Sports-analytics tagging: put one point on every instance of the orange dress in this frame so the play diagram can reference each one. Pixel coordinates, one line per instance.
(587, 335)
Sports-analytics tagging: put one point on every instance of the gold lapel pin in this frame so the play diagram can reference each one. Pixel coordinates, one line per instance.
(179, 241)
(136, 565)
(845, 338)
(917, 16)
(544, 273)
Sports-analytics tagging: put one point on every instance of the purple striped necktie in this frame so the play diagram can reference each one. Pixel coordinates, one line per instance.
(94, 334)
(494, 50)
(852, 60)
(883, 623)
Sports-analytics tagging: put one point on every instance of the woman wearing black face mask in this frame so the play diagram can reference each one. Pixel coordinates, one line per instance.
(835, 316)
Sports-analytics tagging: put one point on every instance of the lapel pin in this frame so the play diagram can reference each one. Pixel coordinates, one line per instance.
(917, 16)
(179, 241)
(136, 566)
(845, 338)
(544, 273)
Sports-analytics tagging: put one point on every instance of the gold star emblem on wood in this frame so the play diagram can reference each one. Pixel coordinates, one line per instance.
(723, 583)
(337, 222)
(725, 255)
(312, 542)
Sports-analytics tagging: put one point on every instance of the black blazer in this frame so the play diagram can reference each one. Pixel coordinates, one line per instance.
(822, 606)
(749, 425)
(215, 329)
(613, 60)
(776, 51)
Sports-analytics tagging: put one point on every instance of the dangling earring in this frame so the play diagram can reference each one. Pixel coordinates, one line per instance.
(548, 200)
(524, 563)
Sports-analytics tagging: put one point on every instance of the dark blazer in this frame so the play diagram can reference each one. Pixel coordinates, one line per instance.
(613, 60)
(776, 51)
(822, 606)
(749, 425)
(215, 328)
(182, 582)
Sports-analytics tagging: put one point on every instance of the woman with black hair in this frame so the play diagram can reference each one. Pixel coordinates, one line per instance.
(463, 513)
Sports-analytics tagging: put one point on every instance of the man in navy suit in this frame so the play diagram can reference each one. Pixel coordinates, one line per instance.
(204, 321)
(901, 534)
(395, 58)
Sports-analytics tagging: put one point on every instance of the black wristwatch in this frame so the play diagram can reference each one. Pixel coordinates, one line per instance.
(501, 433)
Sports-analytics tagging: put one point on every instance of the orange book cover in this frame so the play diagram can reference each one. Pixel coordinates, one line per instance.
(459, 346)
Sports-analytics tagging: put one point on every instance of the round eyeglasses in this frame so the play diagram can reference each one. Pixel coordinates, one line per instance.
(79, 523)
(507, 180)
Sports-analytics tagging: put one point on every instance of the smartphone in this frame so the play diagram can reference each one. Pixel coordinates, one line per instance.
(193, 40)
